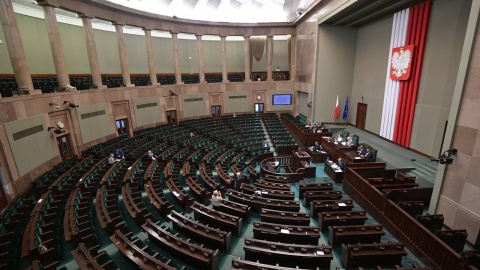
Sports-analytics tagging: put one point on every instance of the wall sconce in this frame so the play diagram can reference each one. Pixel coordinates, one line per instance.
(56, 130)
(70, 104)
(54, 105)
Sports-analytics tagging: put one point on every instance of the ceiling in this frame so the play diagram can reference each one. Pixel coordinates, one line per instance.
(236, 11)
(365, 12)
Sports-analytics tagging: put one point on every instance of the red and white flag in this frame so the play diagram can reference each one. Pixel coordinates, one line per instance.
(337, 110)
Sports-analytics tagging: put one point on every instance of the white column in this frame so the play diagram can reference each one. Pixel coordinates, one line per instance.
(151, 57)
(123, 55)
(293, 57)
(246, 43)
(15, 47)
(224, 59)
(56, 45)
(201, 65)
(269, 57)
(176, 56)
(92, 53)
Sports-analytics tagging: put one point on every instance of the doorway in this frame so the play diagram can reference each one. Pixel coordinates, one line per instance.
(361, 115)
(216, 112)
(65, 146)
(259, 107)
(122, 126)
(172, 117)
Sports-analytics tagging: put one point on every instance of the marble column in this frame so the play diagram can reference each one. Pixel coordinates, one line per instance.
(15, 47)
(56, 45)
(269, 57)
(123, 55)
(246, 42)
(201, 66)
(92, 53)
(151, 57)
(293, 57)
(224, 59)
(176, 57)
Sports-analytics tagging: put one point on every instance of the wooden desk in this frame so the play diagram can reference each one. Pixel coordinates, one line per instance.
(292, 234)
(284, 217)
(289, 255)
(335, 174)
(352, 234)
(337, 150)
(300, 156)
(317, 157)
(326, 219)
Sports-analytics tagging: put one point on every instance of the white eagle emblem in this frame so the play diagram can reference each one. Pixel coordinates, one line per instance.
(401, 62)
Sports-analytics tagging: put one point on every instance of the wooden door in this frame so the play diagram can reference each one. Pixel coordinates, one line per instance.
(361, 115)
(65, 146)
(216, 111)
(172, 117)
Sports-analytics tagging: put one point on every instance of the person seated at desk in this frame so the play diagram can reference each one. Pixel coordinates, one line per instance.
(216, 198)
(368, 154)
(341, 164)
(257, 194)
(349, 141)
(192, 135)
(361, 150)
(308, 126)
(265, 144)
(112, 159)
(151, 156)
(275, 163)
(318, 148)
(339, 138)
(118, 154)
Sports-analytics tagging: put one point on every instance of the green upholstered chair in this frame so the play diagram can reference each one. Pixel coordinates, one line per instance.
(355, 140)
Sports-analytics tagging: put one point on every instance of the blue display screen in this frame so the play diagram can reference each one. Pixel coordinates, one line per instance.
(283, 99)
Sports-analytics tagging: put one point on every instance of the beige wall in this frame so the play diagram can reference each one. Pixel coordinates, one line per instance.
(34, 36)
(448, 22)
(195, 108)
(96, 127)
(136, 47)
(371, 61)
(75, 48)
(235, 102)
(335, 67)
(148, 115)
(107, 51)
(306, 59)
(458, 200)
(30, 151)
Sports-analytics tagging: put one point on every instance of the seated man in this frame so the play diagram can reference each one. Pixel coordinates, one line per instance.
(151, 156)
(257, 194)
(361, 150)
(265, 144)
(118, 154)
(368, 154)
(349, 141)
(339, 138)
(316, 147)
(112, 159)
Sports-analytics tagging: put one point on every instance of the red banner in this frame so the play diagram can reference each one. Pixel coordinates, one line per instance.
(401, 62)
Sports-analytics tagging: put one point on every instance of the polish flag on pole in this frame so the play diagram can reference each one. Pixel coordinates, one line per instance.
(337, 110)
